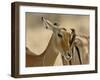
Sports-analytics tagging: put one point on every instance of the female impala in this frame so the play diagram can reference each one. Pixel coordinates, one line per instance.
(61, 42)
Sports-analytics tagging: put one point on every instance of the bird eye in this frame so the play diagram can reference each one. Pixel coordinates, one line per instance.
(59, 35)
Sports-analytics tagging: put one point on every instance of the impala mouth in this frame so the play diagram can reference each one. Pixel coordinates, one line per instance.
(67, 56)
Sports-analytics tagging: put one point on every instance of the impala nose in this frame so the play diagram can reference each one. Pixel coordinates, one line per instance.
(68, 56)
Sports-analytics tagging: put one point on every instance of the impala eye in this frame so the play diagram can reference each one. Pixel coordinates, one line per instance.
(59, 35)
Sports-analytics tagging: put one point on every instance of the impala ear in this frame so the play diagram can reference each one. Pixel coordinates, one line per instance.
(73, 36)
(43, 19)
(48, 24)
(44, 22)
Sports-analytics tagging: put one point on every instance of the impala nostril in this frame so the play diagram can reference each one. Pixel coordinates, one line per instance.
(46, 27)
(69, 55)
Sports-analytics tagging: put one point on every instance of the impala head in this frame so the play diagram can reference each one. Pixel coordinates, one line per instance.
(61, 38)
